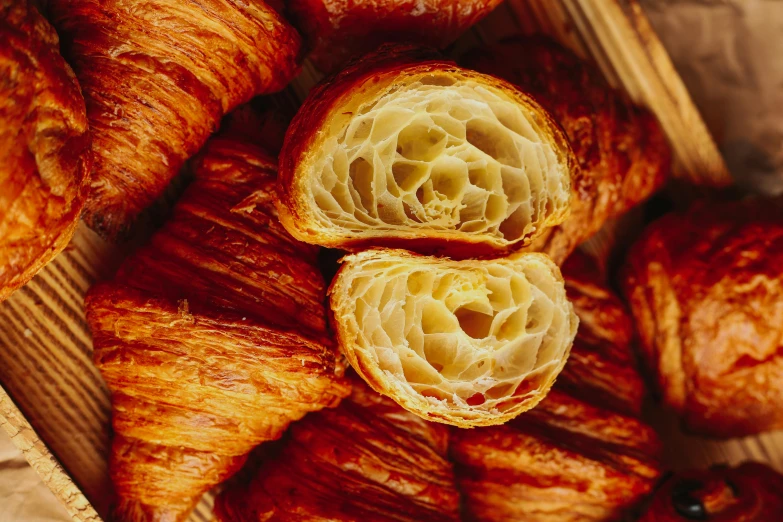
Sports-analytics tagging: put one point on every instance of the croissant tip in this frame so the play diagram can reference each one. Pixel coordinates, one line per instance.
(132, 510)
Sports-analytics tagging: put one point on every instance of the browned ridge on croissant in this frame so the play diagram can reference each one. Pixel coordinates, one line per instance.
(366, 460)
(582, 454)
(44, 146)
(337, 29)
(706, 289)
(212, 338)
(157, 77)
(620, 148)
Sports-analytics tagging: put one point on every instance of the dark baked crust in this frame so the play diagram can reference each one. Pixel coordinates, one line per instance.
(212, 338)
(706, 289)
(157, 77)
(582, 454)
(620, 148)
(338, 29)
(751, 492)
(366, 460)
(44, 146)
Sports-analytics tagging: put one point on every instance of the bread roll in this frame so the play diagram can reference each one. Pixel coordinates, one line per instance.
(467, 343)
(406, 149)
(44, 146)
(706, 289)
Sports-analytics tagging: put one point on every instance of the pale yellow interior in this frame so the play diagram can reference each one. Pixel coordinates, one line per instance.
(466, 337)
(439, 153)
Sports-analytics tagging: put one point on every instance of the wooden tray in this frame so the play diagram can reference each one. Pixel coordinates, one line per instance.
(54, 403)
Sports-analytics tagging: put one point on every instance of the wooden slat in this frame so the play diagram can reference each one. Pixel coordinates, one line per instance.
(45, 349)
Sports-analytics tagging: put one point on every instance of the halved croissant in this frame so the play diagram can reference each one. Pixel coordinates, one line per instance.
(582, 454)
(366, 460)
(750, 492)
(620, 148)
(468, 343)
(212, 338)
(158, 76)
(44, 146)
(338, 29)
(406, 149)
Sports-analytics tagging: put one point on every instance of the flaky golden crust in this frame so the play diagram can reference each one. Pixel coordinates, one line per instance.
(621, 150)
(338, 29)
(366, 460)
(212, 338)
(751, 492)
(157, 77)
(466, 343)
(44, 146)
(582, 454)
(330, 109)
(706, 290)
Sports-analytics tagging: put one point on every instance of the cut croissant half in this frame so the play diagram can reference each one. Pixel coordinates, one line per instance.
(407, 150)
(467, 343)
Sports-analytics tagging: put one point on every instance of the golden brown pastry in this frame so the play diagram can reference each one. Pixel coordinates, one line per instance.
(366, 460)
(621, 151)
(751, 492)
(582, 454)
(406, 149)
(338, 29)
(212, 338)
(468, 343)
(157, 77)
(706, 289)
(44, 146)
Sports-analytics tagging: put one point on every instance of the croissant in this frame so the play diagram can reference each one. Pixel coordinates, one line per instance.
(339, 29)
(706, 290)
(468, 343)
(406, 149)
(751, 492)
(44, 146)
(621, 151)
(212, 338)
(366, 460)
(582, 454)
(157, 77)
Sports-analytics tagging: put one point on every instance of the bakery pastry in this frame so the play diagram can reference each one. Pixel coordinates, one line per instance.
(406, 149)
(751, 492)
(582, 454)
(366, 460)
(468, 343)
(157, 77)
(44, 146)
(338, 29)
(620, 148)
(706, 290)
(212, 338)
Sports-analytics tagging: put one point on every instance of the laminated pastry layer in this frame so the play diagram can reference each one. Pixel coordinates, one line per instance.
(212, 338)
(462, 342)
(367, 459)
(44, 146)
(425, 152)
(158, 76)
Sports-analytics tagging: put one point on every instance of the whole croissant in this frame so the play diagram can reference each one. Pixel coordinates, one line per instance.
(405, 149)
(620, 148)
(751, 492)
(366, 460)
(582, 454)
(212, 338)
(158, 76)
(706, 289)
(44, 146)
(339, 29)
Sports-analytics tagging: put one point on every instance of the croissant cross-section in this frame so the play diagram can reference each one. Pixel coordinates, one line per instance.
(423, 152)
(468, 343)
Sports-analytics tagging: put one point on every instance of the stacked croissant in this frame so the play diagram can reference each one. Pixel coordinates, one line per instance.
(421, 384)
